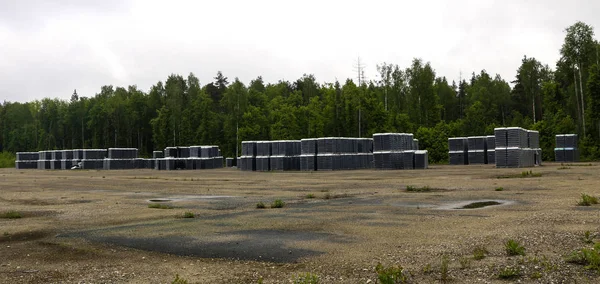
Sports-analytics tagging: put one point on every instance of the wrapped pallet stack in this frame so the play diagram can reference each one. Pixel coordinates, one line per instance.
(516, 147)
(477, 150)
(248, 158)
(308, 157)
(458, 150)
(27, 160)
(342, 153)
(566, 149)
(397, 151)
(285, 155)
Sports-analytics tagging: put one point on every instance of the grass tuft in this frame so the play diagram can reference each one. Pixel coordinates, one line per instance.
(588, 257)
(179, 280)
(260, 205)
(514, 248)
(411, 188)
(390, 275)
(479, 253)
(310, 196)
(499, 188)
(587, 200)
(307, 278)
(509, 273)
(278, 203)
(444, 276)
(189, 215)
(11, 215)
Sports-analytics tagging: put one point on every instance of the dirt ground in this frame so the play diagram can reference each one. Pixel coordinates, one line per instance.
(96, 226)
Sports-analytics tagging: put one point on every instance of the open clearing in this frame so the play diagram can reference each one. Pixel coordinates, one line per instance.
(96, 226)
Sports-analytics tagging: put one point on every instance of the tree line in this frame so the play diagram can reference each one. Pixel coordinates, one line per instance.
(413, 99)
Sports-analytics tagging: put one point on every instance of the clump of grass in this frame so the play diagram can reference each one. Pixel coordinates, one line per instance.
(588, 237)
(527, 174)
(509, 273)
(465, 262)
(160, 206)
(260, 205)
(479, 253)
(535, 275)
(327, 196)
(310, 196)
(11, 215)
(179, 280)
(427, 268)
(278, 203)
(564, 168)
(588, 257)
(514, 248)
(189, 215)
(411, 188)
(390, 275)
(444, 269)
(499, 188)
(587, 200)
(307, 278)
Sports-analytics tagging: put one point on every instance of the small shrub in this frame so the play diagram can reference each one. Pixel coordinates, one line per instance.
(527, 174)
(310, 196)
(465, 262)
(188, 215)
(588, 257)
(390, 275)
(508, 273)
(588, 237)
(278, 203)
(444, 269)
(479, 253)
(327, 196)
(411, 188)
(587, 200)
(514, 248)
(160, 206)
(499, 188)
(536, 275)
(307, 278)
(179, 280)
(11, 215)
(427, 269)
(260, 205)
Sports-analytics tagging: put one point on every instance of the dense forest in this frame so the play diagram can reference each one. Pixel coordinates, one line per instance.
(181, 111)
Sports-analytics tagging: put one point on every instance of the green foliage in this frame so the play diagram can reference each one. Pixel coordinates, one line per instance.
(587, 200)
(528, 174)
(509, 273)
(278, 203)
(307, 278)
(7, 160)
(179, 280)
(160, 206)
(260, 205)
(310, 196)
(391, 274)
(513, 248)
(412, 99)
(588, 257)
(479, 253)
(588, 237)
(499, 188)
(444, 276)
(411, 188)
(189, 215)
(11, 215)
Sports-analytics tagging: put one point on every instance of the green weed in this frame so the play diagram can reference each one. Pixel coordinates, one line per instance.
(11, 215)
(278, 203)
(509, 273)
(160, 206)
(260, 205)
(587, 200)
(390, 275)
(479, 253)
(307, 278)
(514, 248)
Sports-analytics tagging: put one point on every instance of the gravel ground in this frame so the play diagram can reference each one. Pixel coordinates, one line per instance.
(96, 226)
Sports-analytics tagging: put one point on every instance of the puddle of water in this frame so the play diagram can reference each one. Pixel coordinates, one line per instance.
(475, 204)
(189, 198)
(160, 200)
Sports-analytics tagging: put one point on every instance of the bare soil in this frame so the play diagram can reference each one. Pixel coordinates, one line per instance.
(96, 226)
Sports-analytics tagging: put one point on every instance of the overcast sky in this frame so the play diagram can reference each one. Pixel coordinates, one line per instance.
(49, 48)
